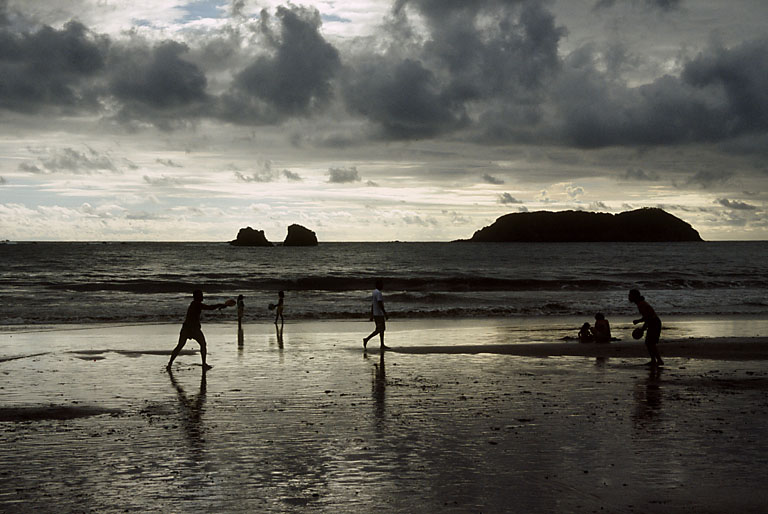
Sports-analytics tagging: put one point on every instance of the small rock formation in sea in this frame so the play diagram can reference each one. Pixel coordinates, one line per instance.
(300, 236)
(250, 237)
(642, 225)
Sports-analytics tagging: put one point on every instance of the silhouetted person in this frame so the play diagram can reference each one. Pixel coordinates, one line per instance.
(279, 307)
(240, 311)
(651, 326)
(602, 329)
(378, 315)
(190, 329)
(585, 334)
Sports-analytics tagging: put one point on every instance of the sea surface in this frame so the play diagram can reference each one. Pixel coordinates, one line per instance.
(55, 283)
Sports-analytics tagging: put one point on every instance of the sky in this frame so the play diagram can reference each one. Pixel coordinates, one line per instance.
(375, 120)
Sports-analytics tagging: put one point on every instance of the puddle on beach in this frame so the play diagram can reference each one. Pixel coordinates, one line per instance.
(308, 421)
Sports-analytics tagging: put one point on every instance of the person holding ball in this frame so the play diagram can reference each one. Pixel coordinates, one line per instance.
(651, 327)
(190, 329)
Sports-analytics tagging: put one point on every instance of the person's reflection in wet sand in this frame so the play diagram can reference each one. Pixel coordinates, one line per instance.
(240, 342)
(379, 388)
(191, 412)
(279, 334)
(648, 395)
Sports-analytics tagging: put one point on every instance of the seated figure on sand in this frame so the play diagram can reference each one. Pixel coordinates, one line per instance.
(602, 329)
(585, 334)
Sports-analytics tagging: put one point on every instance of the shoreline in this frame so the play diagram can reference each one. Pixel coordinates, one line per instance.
(531, 337)
(723, 348)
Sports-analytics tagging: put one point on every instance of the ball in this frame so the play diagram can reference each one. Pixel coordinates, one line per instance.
(271, 306)
(637, 333)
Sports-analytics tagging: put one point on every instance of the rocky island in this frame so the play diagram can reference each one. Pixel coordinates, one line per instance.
(641, 225)
(300, 236)
(250, 237)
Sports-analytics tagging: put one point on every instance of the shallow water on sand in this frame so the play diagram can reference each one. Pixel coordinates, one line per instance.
(310, 422)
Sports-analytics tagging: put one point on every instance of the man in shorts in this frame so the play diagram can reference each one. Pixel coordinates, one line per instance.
(378, 315)
(651, 326)
(190, 329)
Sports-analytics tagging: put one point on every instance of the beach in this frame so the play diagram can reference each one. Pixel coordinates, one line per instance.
(460, 416)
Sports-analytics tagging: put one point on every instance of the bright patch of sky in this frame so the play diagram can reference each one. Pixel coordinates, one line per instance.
(202, 9)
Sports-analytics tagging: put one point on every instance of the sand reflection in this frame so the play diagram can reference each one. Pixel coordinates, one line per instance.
(648, 398)
(379, 389)
(191, 414)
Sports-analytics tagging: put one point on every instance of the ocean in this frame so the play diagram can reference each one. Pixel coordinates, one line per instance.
(83, 283)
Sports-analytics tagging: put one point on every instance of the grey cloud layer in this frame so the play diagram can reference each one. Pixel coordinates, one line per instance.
(487, 70)
(70, 160)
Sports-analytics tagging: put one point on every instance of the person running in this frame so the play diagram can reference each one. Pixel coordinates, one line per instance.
(378, 315)
(190, 329)
(651, 326)
(279, 307)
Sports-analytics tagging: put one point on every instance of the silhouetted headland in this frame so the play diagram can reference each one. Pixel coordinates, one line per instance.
(300, 236)
(641, 225)
(250, 237)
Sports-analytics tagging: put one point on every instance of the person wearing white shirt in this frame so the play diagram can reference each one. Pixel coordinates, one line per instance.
(378, 315)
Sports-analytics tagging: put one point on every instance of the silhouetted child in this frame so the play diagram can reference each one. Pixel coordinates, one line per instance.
(190, 329)
(651, 326)
(240, 311)
(279, 307)
(602, 329)
(585, 334)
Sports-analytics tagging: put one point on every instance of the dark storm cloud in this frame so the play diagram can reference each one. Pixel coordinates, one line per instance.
(490, 55)
(145, 216)
(265, 173)
(343, 175)
(156, 82)
(485, 71)
(70, 160)
(742, 74)
(487, 177)
(640, 174)
(403, 98)
(491, 47)
(721, 94)
(162, 181)
(736, 204)
(49, 67)
(260, 176)
(293, 79)
(168, 163)
(506, 198)
(664, 5)
(291, 175)
(708, 179)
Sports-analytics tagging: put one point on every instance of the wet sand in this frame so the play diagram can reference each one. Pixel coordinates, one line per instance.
(485, 416)
(722, 348)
